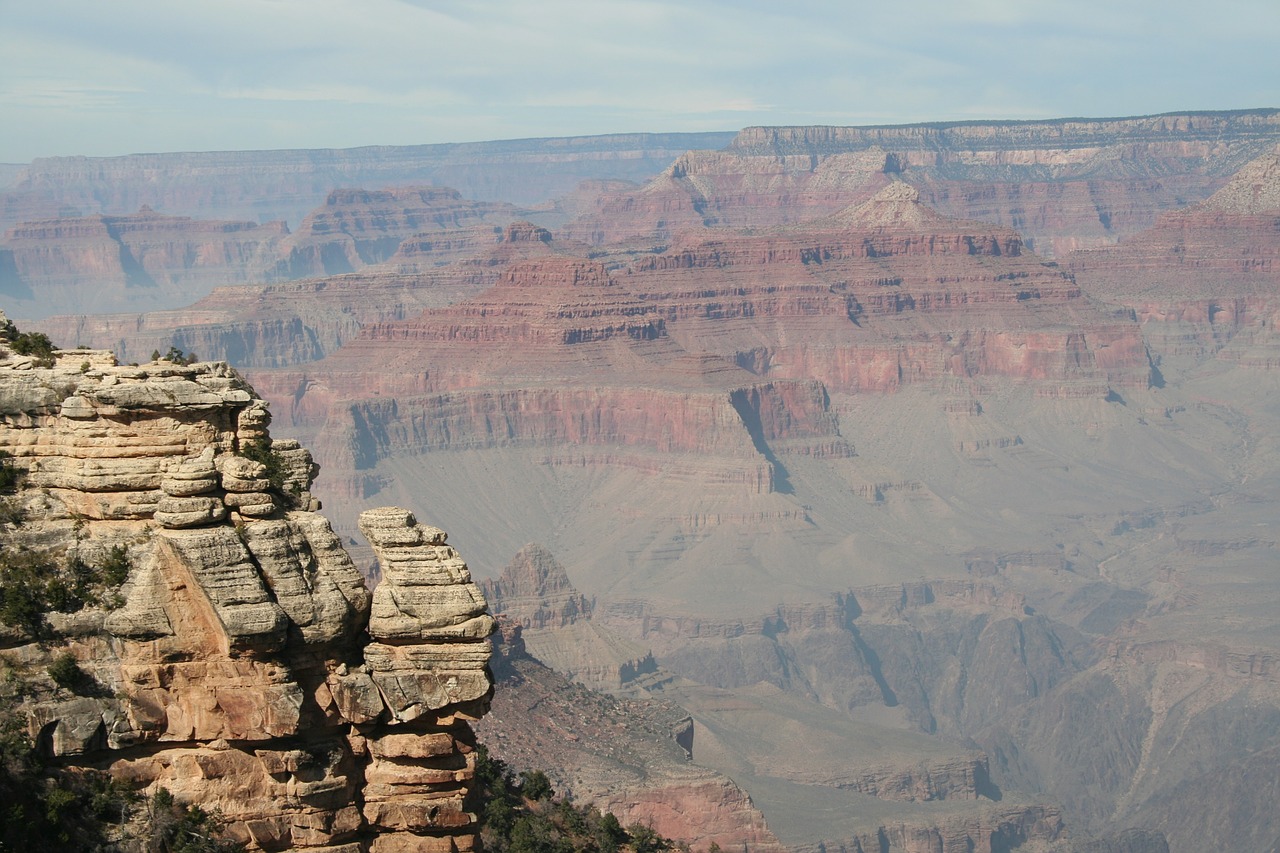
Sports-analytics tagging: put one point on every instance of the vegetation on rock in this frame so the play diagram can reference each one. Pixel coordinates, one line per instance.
(261, 451)
(527, 817)
(44, 807)
(34, 584)
(175, 355)
(34, 344)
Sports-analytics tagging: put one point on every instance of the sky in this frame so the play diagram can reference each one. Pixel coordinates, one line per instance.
(129, 76)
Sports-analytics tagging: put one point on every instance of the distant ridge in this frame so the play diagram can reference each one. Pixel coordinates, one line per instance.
(1262, 123)
(288, 183)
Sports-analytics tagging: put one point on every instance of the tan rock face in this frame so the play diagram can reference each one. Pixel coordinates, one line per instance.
(234, 668)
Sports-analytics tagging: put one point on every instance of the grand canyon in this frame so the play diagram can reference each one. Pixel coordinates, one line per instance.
(897, 488)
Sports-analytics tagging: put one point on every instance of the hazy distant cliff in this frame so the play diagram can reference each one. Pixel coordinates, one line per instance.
(270, 185)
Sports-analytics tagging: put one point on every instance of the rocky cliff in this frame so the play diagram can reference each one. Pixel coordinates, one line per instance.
(242, 665)
(884, 500)
(725, 347)
(1203, 281)
(630, 756)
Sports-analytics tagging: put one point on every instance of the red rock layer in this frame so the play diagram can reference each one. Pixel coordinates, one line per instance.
(887, 293)
(725, 348)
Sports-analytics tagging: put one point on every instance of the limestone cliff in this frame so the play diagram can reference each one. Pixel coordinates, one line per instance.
(242, 665)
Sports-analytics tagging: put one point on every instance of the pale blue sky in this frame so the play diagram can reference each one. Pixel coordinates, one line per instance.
(124, 76)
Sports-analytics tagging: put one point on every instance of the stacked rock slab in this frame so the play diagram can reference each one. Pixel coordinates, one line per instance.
(429, 661)
(233, 668)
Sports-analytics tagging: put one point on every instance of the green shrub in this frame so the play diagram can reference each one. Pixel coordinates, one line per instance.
(179, 828)
(10, 476)
(33, 584)
(66, 672)
(535, 785)
(114, 569)
(529, 818)
(47, 809)
(261, 451)
(35, 344)
(24, 591)
(176, 356)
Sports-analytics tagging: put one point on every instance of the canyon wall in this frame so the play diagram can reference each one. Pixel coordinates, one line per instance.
(1064, 184)
(99, 264)
(939, 544)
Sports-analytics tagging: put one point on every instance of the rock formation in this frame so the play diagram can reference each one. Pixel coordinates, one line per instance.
(1063, 184)
(1203, 277)
(905, 517)
(535, 592)
(233, 668)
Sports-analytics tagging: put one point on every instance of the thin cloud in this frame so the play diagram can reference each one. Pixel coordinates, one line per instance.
(86, 77)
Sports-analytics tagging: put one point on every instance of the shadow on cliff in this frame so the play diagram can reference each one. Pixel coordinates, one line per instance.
(755, 428)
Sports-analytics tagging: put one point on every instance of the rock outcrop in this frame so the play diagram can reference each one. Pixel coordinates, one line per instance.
(534, 591)
(233, 667)
(1064, 184)
(1203, 282)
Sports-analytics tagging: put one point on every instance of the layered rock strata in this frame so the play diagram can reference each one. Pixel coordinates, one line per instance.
(1204, 280)
(357, 228)
(141, 261)
(628, 756)
(1064, 184)
(233, 667)
(725, 346)
(276, 325)
(534, 591)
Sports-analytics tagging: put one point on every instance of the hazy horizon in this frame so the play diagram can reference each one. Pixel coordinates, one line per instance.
(78, 78)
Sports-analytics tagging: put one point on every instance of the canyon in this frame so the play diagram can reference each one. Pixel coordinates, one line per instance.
(902, 488)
